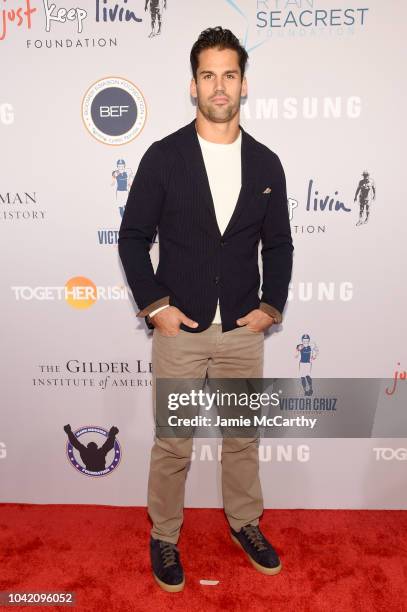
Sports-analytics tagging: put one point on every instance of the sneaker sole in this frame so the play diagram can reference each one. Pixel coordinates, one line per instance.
(170, 588)
(270, 571)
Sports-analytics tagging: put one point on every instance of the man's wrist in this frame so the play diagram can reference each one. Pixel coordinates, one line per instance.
(154, 312)
(164, 301)
(271, 311)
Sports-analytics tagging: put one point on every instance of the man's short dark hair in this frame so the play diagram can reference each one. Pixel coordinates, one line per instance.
(221, 38)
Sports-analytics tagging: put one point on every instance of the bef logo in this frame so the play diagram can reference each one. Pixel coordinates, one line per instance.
(92, 460)
(114, 111)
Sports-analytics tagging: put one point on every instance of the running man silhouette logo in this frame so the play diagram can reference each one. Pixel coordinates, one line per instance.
(156, 11)
(367, 193)
(122, 180)
(306, 353)
(92, 456)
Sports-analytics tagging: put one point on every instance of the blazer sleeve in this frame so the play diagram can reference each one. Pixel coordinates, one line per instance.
(138, 228)
(277, 247)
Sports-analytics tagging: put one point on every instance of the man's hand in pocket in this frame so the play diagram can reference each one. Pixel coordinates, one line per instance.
(256, 320)
(168, 321)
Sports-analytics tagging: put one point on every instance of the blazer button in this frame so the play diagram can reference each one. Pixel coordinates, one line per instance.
(222, 242)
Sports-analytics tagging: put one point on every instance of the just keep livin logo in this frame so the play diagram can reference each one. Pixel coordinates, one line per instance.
(92, 461)
(320, 204)
(58, 18)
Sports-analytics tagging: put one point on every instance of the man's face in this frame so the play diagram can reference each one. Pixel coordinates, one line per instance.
(218, 85)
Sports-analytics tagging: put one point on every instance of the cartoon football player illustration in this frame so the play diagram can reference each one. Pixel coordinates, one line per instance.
(122, 179)
(306, 353)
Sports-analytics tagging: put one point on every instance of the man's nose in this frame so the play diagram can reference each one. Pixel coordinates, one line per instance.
(219, 85)
(220, 91)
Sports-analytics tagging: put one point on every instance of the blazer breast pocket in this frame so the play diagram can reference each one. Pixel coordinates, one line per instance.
(257, 209)
(263, 197)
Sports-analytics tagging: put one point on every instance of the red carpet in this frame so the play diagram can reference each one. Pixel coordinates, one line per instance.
(333, 560)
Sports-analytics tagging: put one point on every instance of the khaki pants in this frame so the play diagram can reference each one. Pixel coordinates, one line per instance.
(234, 354)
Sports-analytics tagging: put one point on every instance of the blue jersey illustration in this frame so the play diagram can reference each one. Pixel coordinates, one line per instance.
(306, 353)
(122, 179)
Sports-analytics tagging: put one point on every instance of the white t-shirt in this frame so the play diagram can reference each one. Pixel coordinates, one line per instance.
(223, 167)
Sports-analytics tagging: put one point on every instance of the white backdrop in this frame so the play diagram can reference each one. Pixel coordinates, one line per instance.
(327, 94)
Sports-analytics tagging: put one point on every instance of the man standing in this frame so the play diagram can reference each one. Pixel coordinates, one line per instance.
(213, 192)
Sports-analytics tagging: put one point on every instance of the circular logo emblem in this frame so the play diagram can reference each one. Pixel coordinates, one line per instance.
(98, 453)
(114, 110)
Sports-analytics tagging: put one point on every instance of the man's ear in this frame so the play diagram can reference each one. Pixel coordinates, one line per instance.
(244, 87)
(192, 88)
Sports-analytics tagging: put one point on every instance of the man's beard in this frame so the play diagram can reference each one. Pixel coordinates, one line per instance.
(216, 114)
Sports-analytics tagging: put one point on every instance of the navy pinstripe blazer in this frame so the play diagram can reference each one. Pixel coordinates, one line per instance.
(197, 264)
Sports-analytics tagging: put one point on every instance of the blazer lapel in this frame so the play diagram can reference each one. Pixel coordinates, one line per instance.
(197, 164)
(246, 190)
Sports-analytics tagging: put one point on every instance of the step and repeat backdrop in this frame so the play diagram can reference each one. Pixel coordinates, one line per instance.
(85, 89)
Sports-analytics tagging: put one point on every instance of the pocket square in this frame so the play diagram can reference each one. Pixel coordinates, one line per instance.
(267, 190)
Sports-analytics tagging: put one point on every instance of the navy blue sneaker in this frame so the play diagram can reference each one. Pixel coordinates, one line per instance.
(166, 565)
(260, 552)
